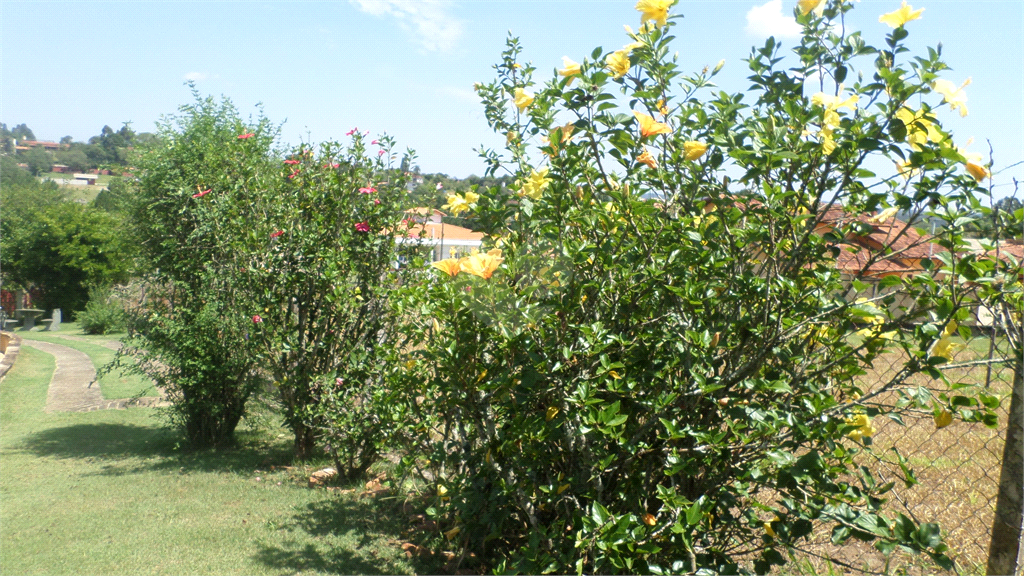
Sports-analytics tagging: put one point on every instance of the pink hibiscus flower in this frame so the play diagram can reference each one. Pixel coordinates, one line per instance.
(256, 319)
(363, 226)
(276, 234)
(203, 193)
(367, 190)
(245, 136)
(291, 161)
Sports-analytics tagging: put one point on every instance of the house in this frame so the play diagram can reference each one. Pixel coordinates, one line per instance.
(30, 144)
(89, 179)
(423, 215)
(881, 248)
(61, 169)
(426, 227)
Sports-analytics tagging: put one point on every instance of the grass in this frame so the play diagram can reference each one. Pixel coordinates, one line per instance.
(111, 492)
(116, 384)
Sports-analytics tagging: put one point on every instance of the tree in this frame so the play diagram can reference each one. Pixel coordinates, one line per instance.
(22, 132)
(74, 158)
(39, 160)
(63, 249)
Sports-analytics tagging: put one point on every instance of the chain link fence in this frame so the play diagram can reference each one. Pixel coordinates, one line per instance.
(957, 466)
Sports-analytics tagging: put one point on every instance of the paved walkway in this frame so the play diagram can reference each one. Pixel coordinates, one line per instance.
(74, 388)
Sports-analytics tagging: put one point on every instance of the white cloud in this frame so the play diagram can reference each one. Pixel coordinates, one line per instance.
(429, 20)
(196, 76)
(768, 20)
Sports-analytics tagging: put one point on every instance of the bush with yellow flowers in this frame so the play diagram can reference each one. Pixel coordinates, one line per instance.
(651, 365)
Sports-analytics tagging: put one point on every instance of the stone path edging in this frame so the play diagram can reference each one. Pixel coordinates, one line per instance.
(13, 347)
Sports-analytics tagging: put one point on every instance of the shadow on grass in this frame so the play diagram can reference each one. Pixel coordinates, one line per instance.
(372, 528)
(140, 448)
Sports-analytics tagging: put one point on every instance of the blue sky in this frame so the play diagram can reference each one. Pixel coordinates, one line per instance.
(407, 67)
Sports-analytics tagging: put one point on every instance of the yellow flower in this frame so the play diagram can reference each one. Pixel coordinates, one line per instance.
(905, 170)
(617, 63)
(458, 204)
(863, 429)
(905, 14)
(768, 530)
(943, 348)
(523, 99)
(483, 265)
(973, 163)
(828, 144)
(571, 69)
(955, 97)
(559, 136)
(830, 117)
(830, 102)
(978, 171)
(943, 419)
(656, 10)
(692, 149)
(551, 413)
(615, 375)
(662, 107)
(453, 532)
(450, 266)
(535, 184)
(884, 215)
(808, 6)
(649, 519)
(919, 129)
(649, 126)
(646, 158)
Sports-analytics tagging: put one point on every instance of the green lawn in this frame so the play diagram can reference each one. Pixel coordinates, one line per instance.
(111, 492)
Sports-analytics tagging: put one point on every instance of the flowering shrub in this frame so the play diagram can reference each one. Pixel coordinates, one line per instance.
(318, 267)
(189, 334)
(654, 371)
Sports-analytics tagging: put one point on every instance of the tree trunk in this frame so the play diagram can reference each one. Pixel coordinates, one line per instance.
(1006, 526)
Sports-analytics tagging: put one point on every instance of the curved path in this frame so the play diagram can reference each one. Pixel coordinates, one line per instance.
(74, 388)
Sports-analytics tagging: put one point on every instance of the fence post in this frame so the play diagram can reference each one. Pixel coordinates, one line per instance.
(1006, 525)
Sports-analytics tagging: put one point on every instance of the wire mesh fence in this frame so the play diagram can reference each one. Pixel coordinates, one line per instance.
(956, 466)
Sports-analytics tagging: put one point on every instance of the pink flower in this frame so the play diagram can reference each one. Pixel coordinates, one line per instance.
(367, 133)
(276, 234)
(375, 142)
(380, 153)
(339, 382)
(367, 190)
(351, 132)
(376, 201)
(246, 137)
(203, 193)
(293, 174)
(363, 226)
(256, 319)
(439, 186)
(291, 161)
(335, 165)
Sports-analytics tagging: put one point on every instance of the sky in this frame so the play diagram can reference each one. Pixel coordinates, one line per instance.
(407, 67)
